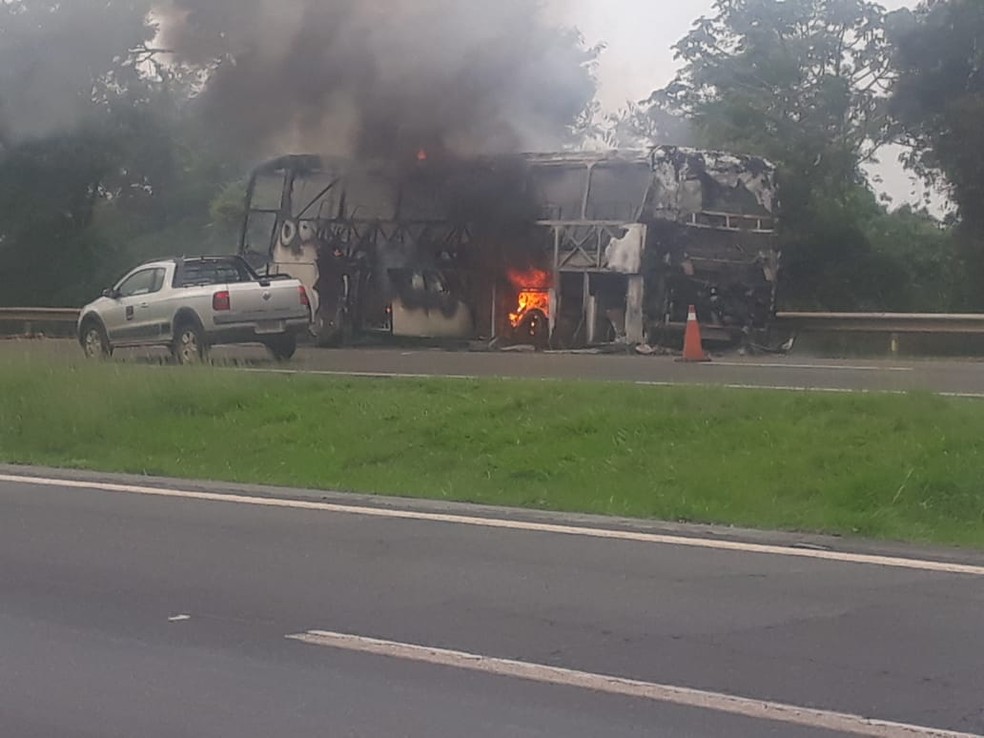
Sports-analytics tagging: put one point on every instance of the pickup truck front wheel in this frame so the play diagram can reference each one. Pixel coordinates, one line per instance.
(189, 345)
(283, 347)
(95, 343)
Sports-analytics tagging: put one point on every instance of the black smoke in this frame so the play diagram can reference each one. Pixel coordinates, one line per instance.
(382, 78)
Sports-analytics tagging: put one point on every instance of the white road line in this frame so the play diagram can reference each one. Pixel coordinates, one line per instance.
(941, 567)
(772, 388)
(825, 367)
(820, 390)
(639, 383)
(357, 374)
(407, 375)
(667, 694)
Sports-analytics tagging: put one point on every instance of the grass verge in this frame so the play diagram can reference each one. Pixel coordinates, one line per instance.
(901, 467)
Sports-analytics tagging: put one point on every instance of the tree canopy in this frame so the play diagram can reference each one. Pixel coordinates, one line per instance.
(938, 99)
(807, 84)
(112, 150)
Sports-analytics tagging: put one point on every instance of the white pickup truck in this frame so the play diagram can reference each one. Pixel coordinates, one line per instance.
(189, 305)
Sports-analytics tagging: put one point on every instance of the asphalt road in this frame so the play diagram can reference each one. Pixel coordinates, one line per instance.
(123, 614)
(790, 372)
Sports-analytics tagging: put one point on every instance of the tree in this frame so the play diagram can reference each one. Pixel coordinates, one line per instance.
(939, 97)
(69, 117)
(803, 83)
(919, 268)
(655, 121)
(62, 63)
(112, 151)
(99, 162)
(938, 102)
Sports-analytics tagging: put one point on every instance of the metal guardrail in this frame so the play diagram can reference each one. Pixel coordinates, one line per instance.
(26, 321)
(41, 315)
(31, 321)
(895, 323)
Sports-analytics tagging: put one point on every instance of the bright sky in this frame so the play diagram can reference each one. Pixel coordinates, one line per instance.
(640, 35)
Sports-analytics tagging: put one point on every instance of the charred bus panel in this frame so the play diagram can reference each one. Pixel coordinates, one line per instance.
(559, 249)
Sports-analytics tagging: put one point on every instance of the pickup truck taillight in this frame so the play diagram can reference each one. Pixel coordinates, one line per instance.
(221, 302)
(305, 300)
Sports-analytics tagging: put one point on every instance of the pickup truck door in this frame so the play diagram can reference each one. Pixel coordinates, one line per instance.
(157, 317)
(129, 319)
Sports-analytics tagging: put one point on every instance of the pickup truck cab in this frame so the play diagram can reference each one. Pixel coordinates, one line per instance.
(189, 305)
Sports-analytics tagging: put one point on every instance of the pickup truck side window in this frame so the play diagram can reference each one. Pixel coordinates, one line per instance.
(144, 282)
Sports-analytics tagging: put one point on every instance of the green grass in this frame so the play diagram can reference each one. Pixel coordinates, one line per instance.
(899, 467)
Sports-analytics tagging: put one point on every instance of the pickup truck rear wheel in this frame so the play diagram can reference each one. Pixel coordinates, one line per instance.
(283, 347)
(189, 345)
(95, 343)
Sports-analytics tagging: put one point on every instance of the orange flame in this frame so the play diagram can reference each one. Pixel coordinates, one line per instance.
(534, 294)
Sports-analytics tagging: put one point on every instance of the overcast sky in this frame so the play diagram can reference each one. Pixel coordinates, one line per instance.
(640, 35)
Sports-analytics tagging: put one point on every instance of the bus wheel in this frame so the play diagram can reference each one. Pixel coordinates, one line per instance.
(329, 327)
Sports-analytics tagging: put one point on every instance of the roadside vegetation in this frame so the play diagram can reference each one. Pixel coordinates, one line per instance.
(904, 467)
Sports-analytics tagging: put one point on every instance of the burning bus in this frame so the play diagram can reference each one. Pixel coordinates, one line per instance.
(563, 249)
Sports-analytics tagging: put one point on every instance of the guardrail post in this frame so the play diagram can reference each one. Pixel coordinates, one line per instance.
(895, 344)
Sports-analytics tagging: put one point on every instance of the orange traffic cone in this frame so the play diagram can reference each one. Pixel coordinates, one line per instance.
(693, 346)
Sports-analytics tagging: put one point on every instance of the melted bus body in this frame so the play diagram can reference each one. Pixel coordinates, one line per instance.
(608, 247)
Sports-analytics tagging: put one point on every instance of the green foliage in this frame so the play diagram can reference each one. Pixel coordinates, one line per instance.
(938, 102)
(89, 51)
(859, 256)
(113, 169)
(903, 467)
(801, 82)
(939, 97)
(805, 83)
(920, 264)
(48, 195)
(108, 157)
(228, 209)
(798, 82)
(77, 209)
(653, 122)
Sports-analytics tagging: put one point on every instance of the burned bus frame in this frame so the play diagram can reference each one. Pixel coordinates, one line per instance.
(631, 239)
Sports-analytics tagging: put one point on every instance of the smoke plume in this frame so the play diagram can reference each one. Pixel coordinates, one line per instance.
(61, 61)
(382, 78)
